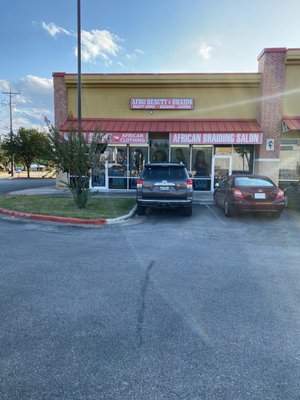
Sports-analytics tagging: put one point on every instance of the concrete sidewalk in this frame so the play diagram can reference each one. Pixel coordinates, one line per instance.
(199, 197)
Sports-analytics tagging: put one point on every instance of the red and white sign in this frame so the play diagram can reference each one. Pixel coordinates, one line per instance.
(161, 104)
(123, 138)
(216, 138)
(114, 137)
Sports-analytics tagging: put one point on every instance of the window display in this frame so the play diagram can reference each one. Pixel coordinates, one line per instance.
(181, 154)
(201, 167)
(289, 169)
(242, 159)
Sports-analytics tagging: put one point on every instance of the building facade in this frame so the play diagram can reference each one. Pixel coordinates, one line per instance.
(217, 124)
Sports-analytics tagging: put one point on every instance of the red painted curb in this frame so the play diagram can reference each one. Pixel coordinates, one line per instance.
(53, 218)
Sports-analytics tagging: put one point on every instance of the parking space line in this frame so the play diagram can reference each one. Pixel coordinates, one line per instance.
(215, 214)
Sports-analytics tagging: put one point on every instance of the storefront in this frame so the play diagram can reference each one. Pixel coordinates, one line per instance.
(208, 156)
(289, 170)
(216, 124)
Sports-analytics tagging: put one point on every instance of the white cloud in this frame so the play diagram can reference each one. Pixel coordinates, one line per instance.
(4, 85)
(205, 51)
(132, 56)
(29, 108)
(98, 44)
(33, 84)
(95, 44)
(54, 30)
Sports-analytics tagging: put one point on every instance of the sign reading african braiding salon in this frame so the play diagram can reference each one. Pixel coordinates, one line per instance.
(216, 138)
(161, 104)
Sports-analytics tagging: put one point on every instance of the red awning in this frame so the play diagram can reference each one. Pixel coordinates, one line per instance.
(291, 124)
(109, 125)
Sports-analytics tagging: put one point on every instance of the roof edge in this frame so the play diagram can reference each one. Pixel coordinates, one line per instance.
(58, 74)
(272, 50)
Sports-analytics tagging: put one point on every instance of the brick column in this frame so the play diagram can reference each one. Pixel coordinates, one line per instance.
(271, 65)
(60, 116)
(60, 99)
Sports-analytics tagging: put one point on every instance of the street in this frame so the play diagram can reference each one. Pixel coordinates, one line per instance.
(9, 185)
(160, 307)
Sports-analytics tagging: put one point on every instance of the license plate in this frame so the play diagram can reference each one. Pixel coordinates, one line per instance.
(260, 196)
(164, 188)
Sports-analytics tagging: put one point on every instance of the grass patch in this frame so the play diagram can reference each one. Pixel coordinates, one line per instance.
(62, 206)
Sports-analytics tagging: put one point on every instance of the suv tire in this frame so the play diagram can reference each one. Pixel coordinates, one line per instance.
(187, 211)
(140, 210)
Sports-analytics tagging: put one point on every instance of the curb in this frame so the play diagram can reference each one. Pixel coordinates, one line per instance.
(78, 221)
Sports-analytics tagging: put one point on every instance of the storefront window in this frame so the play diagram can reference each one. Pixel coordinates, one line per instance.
(138, 157)
(117, 167)
(242, 159)
(181, 154)
(201, 161)
(98, 169)
(289, 169)
(201, 167)
(225, 150)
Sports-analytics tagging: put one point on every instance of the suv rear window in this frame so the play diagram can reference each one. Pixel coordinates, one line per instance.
(164, 173)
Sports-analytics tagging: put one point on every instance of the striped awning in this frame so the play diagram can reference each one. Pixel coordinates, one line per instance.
(109, 125)
(290, 124)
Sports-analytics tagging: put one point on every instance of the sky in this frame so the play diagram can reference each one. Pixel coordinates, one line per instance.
(39, 37)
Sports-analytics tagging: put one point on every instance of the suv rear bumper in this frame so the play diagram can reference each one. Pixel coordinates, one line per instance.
(164, 203)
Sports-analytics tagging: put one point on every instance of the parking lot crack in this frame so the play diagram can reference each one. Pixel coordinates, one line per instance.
(142, 304)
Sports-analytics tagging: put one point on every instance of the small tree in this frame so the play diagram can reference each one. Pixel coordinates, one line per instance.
(4, 158)
(27, 145)
(72, 153)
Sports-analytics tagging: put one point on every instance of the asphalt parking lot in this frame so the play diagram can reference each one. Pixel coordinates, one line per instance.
(159, 307)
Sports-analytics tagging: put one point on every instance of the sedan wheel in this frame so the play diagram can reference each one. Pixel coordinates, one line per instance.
(227, 209)
(276, 215)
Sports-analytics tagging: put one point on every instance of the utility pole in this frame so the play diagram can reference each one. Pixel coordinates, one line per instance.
(79, 66)
(10, 94)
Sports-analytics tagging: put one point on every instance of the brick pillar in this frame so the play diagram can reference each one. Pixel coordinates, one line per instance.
(60, 99)
(271, 65)
(60, 116)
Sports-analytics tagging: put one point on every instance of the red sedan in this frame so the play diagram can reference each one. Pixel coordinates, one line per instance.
(249, 193)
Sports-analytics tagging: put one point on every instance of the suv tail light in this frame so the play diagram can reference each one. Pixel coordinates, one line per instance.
(237, 193)
(139, 183)
(189, 184)
(280, 194)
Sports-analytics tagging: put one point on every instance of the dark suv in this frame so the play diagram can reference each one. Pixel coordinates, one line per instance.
(164, 185)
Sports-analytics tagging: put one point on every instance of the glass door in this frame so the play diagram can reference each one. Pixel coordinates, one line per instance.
(159, 147)
(222, 167)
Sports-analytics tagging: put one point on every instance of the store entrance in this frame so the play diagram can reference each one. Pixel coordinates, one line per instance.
(159, 147)
(222, 167)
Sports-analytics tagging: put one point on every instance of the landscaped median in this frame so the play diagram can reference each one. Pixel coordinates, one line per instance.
(99, 210)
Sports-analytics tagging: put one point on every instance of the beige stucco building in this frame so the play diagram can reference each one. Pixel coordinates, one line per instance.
(238, 122)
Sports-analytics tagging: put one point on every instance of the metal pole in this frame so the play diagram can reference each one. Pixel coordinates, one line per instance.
(12, 163)
(79, 66)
